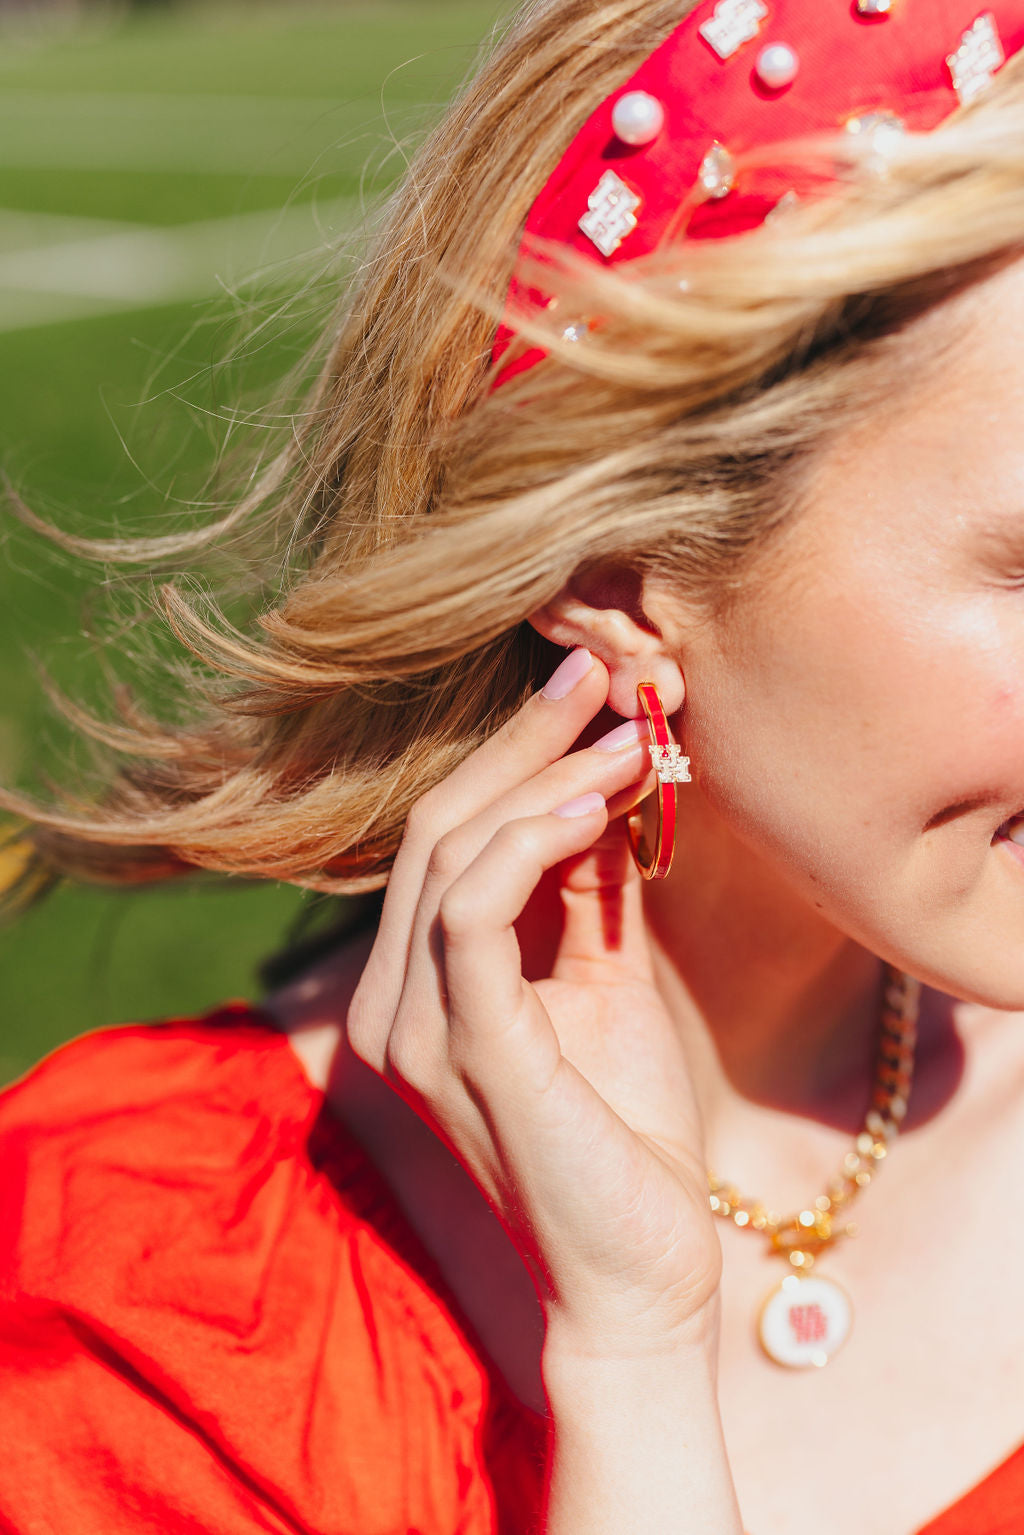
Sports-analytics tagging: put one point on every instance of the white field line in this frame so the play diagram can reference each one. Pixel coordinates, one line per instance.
(246, 135)
(116, 266)
(18, 99)
(21, 229)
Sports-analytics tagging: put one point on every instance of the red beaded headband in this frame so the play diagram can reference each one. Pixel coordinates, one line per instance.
(657, 160)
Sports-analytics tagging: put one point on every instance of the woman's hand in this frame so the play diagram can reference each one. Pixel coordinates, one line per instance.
(569, 1100)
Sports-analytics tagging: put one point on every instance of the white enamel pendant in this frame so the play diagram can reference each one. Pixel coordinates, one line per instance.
(805, 1320)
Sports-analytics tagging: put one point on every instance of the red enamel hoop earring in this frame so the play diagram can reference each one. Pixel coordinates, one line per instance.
(672, 768)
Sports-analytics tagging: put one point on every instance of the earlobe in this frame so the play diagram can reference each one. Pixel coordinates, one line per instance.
(667, 678)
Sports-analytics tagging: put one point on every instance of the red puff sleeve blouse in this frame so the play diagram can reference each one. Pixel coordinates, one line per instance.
(214, 1318)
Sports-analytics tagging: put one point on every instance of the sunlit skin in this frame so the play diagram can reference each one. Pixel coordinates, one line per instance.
(856, 730)
(856, 726)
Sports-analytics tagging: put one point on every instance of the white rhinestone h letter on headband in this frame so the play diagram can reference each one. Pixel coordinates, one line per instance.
(611, 215)
(976, 60)
(735, 22)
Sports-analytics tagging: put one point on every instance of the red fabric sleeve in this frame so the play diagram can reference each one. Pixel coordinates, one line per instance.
(995, 1506)
(215, 1319)
(206, 1324)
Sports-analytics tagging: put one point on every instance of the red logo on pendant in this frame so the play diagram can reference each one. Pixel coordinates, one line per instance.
(809, 1323)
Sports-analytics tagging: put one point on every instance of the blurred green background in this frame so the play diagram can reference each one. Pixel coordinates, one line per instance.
(167, 175)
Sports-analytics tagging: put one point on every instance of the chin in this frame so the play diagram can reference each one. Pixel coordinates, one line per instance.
(984, 974)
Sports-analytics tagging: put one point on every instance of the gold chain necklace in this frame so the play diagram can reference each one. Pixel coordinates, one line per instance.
(806, 1319)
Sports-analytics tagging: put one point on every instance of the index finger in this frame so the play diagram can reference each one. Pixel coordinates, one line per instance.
(537, 735)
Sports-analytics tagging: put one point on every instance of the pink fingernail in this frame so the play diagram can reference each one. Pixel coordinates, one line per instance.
(585, 805)
(628, 734)
(572, 670)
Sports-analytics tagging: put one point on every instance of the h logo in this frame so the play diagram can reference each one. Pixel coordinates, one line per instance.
(669, 764)
(976, 60)
(611, 213)
(809, 1323)
(734, 23)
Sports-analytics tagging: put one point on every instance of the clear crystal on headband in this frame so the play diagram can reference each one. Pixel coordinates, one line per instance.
(883, 131)
(717, 173)
(577, 330)
(734, 23)
(976, 60)
(874, 7)
(876, 124)
(611, 213)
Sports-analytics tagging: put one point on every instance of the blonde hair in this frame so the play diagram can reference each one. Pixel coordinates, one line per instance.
(413, 518)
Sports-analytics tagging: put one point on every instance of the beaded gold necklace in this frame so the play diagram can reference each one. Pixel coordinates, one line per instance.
(805, 1319)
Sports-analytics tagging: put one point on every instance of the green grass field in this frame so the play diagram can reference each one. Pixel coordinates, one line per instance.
(148, 165)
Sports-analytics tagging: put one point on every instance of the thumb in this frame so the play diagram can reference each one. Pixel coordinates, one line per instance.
(604, 929)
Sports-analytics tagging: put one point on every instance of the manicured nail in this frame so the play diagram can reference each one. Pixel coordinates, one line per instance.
(585, 805)
(572, 670)
(628, 734)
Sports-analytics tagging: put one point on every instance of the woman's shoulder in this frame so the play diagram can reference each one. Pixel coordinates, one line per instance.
(125, 1105)
(203, 1283)
(130, 1138)
(133, 1068)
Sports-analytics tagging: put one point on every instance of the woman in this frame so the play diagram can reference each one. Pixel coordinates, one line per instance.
(425, 1243)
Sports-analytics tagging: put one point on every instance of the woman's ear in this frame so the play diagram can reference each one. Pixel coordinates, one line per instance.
(606, 608)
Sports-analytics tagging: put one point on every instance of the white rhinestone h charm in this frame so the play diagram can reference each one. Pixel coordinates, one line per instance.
(976, 60)
(669, 764)
(611, 213)
(734, 23)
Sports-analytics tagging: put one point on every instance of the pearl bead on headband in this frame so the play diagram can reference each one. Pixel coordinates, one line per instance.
(657, 160)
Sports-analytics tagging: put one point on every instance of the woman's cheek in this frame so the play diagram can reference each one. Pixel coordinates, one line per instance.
(783, 795)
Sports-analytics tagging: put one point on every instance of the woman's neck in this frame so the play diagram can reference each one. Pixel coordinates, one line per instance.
(777, 1009)
(761, 1025)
